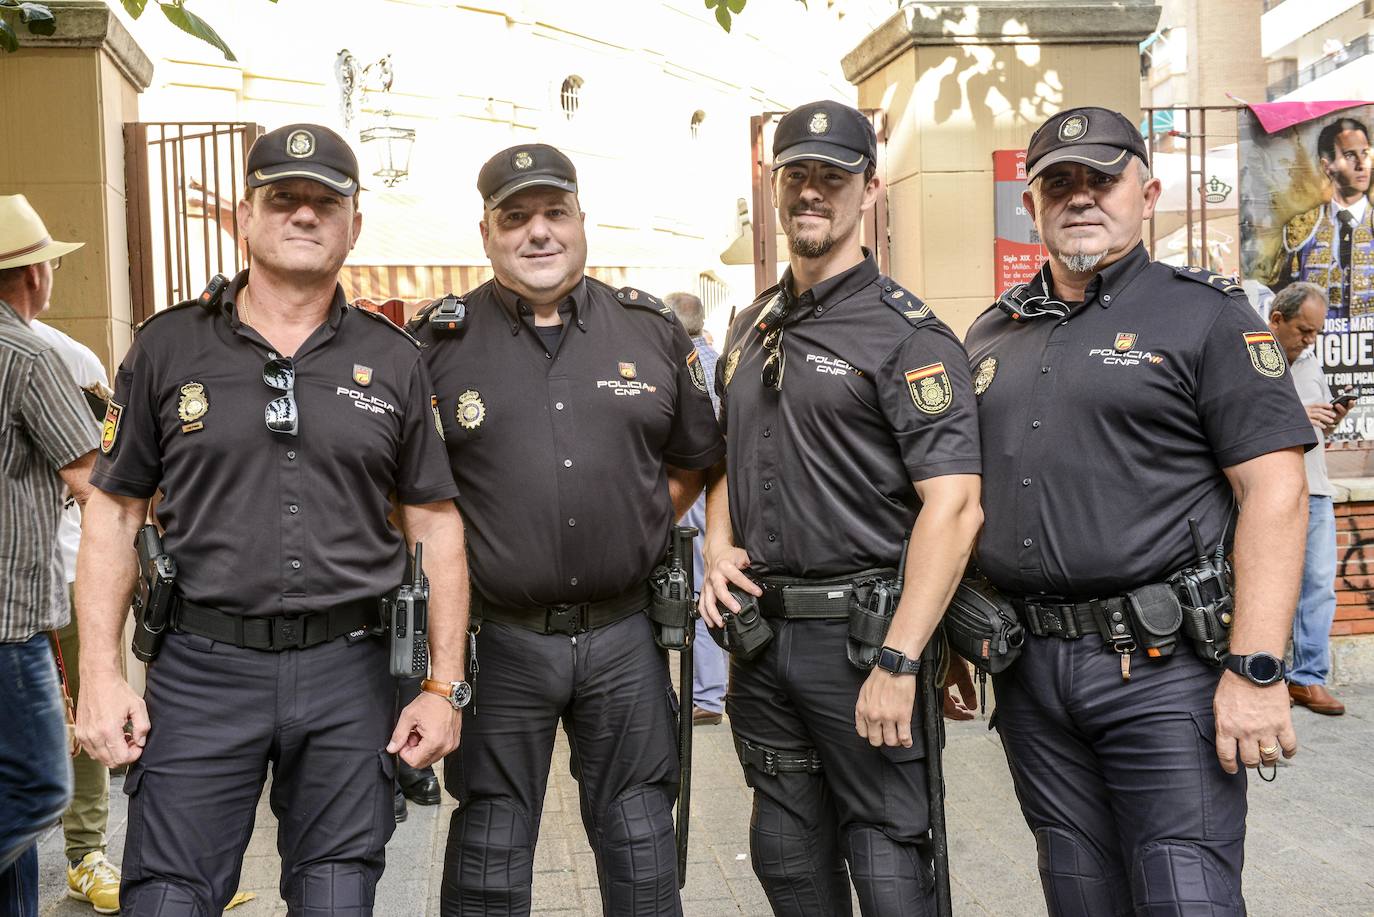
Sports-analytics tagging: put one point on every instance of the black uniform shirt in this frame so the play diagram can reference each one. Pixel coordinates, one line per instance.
(268, 523)
(561, 448)
(875, 395)
(1103, 433)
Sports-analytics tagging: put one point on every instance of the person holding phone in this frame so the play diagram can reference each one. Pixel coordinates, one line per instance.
(1296, 315)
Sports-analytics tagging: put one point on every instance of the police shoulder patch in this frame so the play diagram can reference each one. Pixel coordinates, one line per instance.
(379, 317)
(930, 388)
(1265, 355)
(1218, 282)
(109, 430)
(903, 302)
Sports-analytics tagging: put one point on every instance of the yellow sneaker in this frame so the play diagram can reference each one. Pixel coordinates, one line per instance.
(95, 880)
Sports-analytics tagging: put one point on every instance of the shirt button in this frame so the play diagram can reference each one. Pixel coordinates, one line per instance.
(572, 522)
(1106, 297)
(573, 581)
(767, 485)
(1044, 369)
(558, 406)
(1025, 482)
(772, 537)
(291, 455)
(1035, 424)
(1027, 543)
(767, 432)
(548, 356)
(295, 565)
(567, 463)
(294, 509)
(820, 309)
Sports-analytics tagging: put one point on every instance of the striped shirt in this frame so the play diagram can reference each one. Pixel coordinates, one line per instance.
(44, 426)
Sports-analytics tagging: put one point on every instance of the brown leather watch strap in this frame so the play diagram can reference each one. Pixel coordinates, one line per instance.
(442, 688)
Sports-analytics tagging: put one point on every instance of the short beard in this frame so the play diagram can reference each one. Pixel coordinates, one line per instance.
(811, 248)
(1082, 262)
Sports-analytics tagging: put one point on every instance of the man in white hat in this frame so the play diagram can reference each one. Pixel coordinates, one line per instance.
(47, 439)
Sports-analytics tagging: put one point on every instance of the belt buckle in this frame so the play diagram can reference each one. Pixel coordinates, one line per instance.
(1044, 612)
(288, 632)
(569, 620)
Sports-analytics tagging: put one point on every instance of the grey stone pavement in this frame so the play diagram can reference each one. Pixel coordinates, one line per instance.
(1310, 849)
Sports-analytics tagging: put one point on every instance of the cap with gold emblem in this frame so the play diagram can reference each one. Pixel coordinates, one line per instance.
(827, 131)
(526, 166)
(310, 151)
(1099, 138)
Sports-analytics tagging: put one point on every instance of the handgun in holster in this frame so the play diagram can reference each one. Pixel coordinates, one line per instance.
(1204, 591)
(405, 618)
(155, 597)
(871, 607)
(672, 604)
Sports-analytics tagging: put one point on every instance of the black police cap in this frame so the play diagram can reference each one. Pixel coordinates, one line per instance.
(310, 151)
(827, 131)
(1099, 138)
(529, 165)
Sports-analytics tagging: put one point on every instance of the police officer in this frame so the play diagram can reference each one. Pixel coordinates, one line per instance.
(579, 426)
(278, 423)
(840, 390)
(1120, 398)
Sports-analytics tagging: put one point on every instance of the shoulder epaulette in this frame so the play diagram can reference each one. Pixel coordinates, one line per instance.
(207, 300)
(905, 303)
(1218, 282)
(379, 317)
(1298, 230)
(630, 296)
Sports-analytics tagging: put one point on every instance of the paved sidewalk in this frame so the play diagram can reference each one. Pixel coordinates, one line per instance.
(1310, 849)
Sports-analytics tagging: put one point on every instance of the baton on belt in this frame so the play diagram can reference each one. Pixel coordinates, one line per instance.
(932, 730)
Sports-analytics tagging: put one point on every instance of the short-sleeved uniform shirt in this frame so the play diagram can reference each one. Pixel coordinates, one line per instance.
(1105, 431)
(875, 395)
(560, 438)
(270, 523)
(44, 426)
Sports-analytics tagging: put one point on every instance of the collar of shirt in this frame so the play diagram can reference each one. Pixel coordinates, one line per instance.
(518, 311)
(1357, 210)
(1107, 282)
(831, 291)
(9, 314)
(229, 311)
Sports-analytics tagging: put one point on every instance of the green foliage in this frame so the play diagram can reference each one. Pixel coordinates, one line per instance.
(40, 21)
(726, 10)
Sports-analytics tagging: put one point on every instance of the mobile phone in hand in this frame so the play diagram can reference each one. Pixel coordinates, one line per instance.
(1345, 399)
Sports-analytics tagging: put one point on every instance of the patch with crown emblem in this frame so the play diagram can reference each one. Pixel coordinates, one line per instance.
(730, 363)
(471, 411)
(984, 374)
(819, 123)
(523, 160)
(1073, 127)
(696, 370)
(300, 144)
(931, 391)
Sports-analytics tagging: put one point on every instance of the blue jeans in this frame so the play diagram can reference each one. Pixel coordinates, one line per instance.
(708, 659)
(1317, 603)
(35, 772)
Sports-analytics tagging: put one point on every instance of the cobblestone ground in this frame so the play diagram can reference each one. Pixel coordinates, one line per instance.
(1310, 849)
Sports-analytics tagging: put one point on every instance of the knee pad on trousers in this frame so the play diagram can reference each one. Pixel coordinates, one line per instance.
(331, 890)
(802, 874)
(891, 877)
(638, 854)
(154, 898)
(1181, 879)
(489, 863)
(1077, 881)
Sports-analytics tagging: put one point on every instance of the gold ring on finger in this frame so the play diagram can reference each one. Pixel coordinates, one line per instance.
(1269, 751)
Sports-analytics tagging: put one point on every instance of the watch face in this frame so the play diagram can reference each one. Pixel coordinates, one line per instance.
(462, 694)
(1262, 668)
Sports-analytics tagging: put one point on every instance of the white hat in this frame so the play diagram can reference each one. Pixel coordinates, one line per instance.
(23, 237)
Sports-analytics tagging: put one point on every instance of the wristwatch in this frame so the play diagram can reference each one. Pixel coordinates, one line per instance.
(457, 693)
(896, 662)
(1261, 668)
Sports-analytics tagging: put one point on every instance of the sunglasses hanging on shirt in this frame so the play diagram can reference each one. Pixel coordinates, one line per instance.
(1021, 305)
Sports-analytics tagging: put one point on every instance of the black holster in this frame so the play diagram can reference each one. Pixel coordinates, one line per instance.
(1204, 592)
(672, 603)
(746, 632)
(871, 607)
(1156, 618)
(156, 597)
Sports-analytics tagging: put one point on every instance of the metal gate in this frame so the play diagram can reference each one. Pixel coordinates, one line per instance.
(765, 213)
(184, 180)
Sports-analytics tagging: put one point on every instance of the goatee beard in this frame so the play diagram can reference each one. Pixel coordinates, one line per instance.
(1082, 262)
(811, 248)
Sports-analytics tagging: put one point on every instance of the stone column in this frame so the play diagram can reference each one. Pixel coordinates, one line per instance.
(960, 80)
(64, 103)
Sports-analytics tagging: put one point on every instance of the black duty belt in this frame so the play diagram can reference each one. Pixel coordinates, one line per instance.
(821, 599)
(277, 632)
(1048, 616)
(565, 619)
